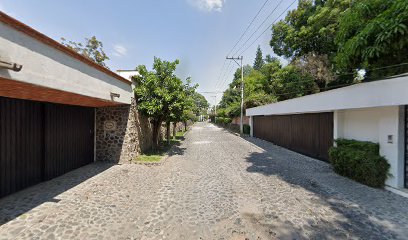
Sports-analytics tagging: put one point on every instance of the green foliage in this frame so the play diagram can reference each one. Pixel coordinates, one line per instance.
(162, 96)
(259, 61)
(359, 161)
(258, 99)
(370, 147)
(311, 28)
(246, 129)
(224, 120)
(290, 82)
(157, 90)
(373, 33)
(201, 104)
(92, 49)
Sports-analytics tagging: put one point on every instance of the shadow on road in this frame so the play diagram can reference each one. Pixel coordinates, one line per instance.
(365, 212)
(23, 201)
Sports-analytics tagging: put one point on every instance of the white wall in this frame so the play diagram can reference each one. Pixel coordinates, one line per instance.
(49, 67)
(389, 92)
(374, 125)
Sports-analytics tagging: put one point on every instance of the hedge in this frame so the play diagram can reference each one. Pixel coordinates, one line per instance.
(246, 129)
(359, 161)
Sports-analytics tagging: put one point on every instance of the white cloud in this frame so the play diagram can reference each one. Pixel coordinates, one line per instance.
(119, 50)
(208, 5)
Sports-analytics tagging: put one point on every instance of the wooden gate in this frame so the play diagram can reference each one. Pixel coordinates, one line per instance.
(308, 134)
(40, 141)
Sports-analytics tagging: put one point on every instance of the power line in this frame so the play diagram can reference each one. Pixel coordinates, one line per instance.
(253, 33)
(267, 28)
(240, 38)
(219, 76)
(224, 75)
(250, 24)
(229, 73)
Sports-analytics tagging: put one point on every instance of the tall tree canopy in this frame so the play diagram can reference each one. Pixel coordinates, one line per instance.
(259, 61)
(159, 94)
(92, 49)
(373, 33)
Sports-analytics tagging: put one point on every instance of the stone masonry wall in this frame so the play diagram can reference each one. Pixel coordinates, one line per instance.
(130, 135)
(122, 133)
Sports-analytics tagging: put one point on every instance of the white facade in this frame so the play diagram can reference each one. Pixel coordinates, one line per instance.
(389, 92)
(371, 111)
(46, 66)
(383, 125)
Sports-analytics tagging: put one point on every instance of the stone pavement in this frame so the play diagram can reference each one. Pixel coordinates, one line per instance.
(218, 186)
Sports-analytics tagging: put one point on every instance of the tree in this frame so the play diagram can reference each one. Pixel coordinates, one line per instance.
(373, 33)
(259, 61)
(158, 93)
(311, 28)
(92, 49)
(290, 82)
(181, 107)
(201, 104)
(317, 66)
(269, 59)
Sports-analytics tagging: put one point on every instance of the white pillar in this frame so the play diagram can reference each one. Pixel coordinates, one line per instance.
(251, 125)
(337, 125)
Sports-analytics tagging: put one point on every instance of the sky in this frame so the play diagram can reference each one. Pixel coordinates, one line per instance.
(200, 33)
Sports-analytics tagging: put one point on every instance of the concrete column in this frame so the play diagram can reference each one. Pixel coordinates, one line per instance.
(251, 124)
(401, 141)
(337, 125)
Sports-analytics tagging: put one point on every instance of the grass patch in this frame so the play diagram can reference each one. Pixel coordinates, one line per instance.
(180, 134)
(164, 147)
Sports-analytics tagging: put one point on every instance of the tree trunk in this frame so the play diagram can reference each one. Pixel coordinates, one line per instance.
(168, 132)
(174, 130)
(185, 126)
(155, 137)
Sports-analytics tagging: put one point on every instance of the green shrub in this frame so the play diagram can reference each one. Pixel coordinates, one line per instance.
(224, 120)
(359, 161)
(371, 147)
(246, 129)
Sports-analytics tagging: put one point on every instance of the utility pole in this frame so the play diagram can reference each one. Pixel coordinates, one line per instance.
(215, 108)
(241, 126)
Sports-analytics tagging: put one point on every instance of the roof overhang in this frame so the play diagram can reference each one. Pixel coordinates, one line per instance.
(387, 92)
(22, 90)
(49, 65)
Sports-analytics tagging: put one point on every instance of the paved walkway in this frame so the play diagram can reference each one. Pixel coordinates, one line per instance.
(219, 187)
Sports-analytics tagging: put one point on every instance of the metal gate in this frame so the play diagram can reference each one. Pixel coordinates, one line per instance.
(40, 141)
(309, 134)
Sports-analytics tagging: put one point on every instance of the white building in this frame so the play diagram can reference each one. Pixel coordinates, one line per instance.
(373, 111)
(58, 109)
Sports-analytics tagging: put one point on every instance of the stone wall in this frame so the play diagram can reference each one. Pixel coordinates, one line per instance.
(122, 133)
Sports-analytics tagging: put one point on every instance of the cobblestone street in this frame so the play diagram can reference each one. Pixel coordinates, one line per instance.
(218, 186)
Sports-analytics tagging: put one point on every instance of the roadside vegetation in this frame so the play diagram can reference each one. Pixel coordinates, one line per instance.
(360, 161)
(325, 45)
(163, 97)
(164, 147)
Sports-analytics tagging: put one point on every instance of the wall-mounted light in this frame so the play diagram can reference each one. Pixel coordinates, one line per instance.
(114, 95)
(12, 66)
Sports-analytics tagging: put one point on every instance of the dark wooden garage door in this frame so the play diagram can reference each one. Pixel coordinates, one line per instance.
(309, 134)
(40, 141)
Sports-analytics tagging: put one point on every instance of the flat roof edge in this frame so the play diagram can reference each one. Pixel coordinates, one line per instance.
(19, 26)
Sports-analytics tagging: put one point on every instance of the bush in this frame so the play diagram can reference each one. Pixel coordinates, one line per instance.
(371, 147)
(224, 120)
(359, 161)
(247, 129)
